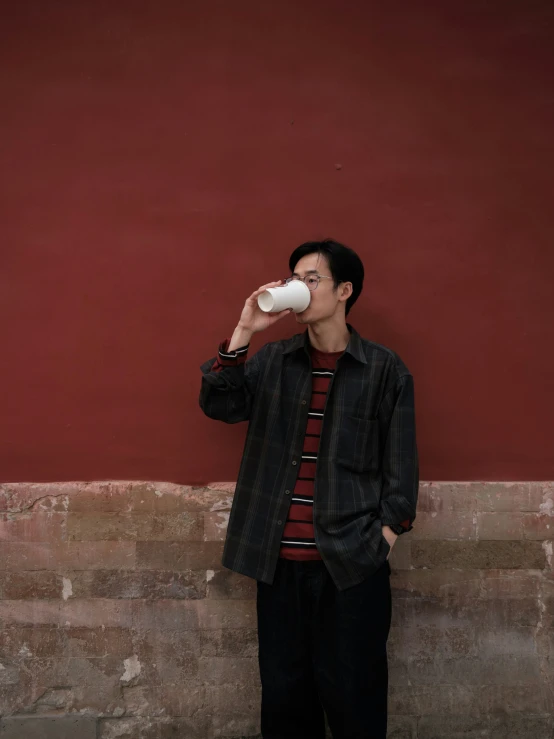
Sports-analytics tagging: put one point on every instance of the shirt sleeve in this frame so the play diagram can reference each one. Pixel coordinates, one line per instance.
(229, 383)
(225, 358)
(403, 527)
(400, 464)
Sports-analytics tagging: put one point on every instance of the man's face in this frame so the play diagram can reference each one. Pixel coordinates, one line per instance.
(325, 298)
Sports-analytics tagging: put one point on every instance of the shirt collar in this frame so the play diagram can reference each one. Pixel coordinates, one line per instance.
(355, 348)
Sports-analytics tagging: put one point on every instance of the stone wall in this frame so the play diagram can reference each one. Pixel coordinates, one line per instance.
(117, 620)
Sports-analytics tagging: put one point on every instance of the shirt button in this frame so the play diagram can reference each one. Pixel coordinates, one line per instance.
(294, 462)
(287, 492)
(303, 402)
(279, 523)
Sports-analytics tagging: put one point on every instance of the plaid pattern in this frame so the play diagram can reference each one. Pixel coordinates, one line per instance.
(367, 470)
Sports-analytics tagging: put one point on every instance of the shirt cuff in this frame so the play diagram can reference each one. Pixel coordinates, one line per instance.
(226, 358)
(400, 528)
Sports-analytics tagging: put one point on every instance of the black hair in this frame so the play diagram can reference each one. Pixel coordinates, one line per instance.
(344, 263)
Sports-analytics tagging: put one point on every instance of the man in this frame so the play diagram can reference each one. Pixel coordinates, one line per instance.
(328, 480)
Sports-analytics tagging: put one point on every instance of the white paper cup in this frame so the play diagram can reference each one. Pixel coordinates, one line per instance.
(295, 295)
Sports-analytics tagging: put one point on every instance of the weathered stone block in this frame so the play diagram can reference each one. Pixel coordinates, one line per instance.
(238, 642)
(443, 525)
(523, 699)
(427, 641)
(505, 584)
(503, 496)
(222, 699)
(66, 555)
(38, 496)
(151, 584)
(236, 726)
(483, 614)
(168, 644)
(29, 679)
(449, 586)
(224, 584)
(61, 727)
(429, 699)
(92, 613)
(138, 701)
(179, 555)
(146, 497)
(541, 495)
(215, 525)
(185, 698)
(33, 526)
(37, 585)
(196, 727)
(172, 658)
(444, 497)
(479, 555)
(99, 641)
(98, 526)
(54, 701)
(97, 684)
(154, 728)
(538, 526)
(504, 669)
(238, 670)
(166, 615)
(29, 612)
(30, 641)
(516, 726)
(500, 525)
(226, 614)
(402, 727)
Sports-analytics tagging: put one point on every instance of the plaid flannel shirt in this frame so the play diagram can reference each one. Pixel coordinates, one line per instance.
(367, 472)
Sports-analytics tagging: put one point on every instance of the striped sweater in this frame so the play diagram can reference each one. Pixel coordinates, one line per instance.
(298, 540)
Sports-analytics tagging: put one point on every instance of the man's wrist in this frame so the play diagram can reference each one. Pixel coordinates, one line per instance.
(241, 337)
(389, 534)
(396, 528)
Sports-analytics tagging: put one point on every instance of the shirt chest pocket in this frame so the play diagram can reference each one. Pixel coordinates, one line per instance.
(358, 444)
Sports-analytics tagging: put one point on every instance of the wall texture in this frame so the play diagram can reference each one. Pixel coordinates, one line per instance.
(117, 617)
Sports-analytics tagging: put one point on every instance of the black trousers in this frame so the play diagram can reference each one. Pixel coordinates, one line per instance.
(323, 650)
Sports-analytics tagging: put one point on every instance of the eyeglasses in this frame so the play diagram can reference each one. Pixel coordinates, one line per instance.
(311, 281)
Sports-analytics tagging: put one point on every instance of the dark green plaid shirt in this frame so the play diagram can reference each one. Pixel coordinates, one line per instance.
(367, 468)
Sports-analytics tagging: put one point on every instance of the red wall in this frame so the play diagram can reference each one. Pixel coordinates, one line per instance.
(161, 160)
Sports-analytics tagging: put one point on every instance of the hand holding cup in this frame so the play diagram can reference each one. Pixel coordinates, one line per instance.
(253, 318)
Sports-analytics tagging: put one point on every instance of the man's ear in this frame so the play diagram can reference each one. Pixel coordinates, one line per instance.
(346, 290)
